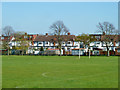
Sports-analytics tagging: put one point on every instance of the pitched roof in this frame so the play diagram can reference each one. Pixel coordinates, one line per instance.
(117, 38)
(5, 38)
(114, 37)
(52, 38)
(102, 37)
(28, 37)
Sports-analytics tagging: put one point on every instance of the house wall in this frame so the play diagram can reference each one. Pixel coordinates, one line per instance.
(44, 44)
(116, 52)
(76, 52)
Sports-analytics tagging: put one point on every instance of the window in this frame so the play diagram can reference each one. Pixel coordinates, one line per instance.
(104, 49)
(25, 36)
(68, 49)
(118, 51)
(30, 36)
(97, 42)
(69, 42)
(91, 36)
(97, 37)
(103, 42)
(2, 38)
(40, 43)
(96, 52)
(81, 46)
(35, 42)
(63, 43)
(46, 42)
(112, 48)
(119, 43)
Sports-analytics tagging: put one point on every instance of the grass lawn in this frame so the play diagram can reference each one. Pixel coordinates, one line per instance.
(0, 73)
(59, 72)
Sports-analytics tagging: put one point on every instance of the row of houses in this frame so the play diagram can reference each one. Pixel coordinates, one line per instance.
(69, 45)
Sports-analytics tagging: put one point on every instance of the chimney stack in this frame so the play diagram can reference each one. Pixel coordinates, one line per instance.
(46, 34)
(25, 33)
(68, 33)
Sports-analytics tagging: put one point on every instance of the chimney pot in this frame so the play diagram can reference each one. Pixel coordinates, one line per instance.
(68, 33)
(46, 33)
(25, 33)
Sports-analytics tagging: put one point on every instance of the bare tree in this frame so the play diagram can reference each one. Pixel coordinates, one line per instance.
(59, 30)
(8, 31)
(109, 33)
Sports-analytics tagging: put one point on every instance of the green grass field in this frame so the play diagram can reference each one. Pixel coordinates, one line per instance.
(0, 73)
(59, 72)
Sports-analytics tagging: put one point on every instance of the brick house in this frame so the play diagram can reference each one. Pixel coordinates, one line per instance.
(50, 42)
(101, 47)
(27, 37)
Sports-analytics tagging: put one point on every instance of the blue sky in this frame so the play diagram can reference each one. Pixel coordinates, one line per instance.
(79, 17)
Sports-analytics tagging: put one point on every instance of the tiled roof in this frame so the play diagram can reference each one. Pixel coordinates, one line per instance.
(28, 37)
(5, 38)
(114, 37)
(52, 38)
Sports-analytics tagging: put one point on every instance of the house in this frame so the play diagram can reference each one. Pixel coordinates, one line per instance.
(28, 38)
(7, 40)
(5, 43)
(3, 52)
(98, 47)
(117, 51)
(50, 42)
(69, 44)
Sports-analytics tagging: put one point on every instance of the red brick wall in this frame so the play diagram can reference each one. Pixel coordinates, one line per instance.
(105, 52)
(117, 53)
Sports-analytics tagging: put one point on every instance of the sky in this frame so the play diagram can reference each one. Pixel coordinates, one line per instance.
(78, 17)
